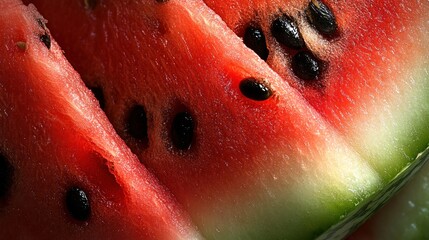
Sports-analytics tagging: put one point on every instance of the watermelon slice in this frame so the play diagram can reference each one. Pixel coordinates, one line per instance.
(363, 65)
(63, 170)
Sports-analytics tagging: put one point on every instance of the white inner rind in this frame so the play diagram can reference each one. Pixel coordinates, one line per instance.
(397, 128)
(306, 194)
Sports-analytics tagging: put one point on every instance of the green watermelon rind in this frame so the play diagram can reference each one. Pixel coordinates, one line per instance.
(352, 221)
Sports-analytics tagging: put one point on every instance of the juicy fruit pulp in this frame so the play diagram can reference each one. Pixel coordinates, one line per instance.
(257, 150)
(63, 170)
(374, 86)
(358, 64)
(246, 159)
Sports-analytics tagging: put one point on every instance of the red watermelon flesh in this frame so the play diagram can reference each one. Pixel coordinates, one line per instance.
(64, 173)
(253, 164)
(373, 67)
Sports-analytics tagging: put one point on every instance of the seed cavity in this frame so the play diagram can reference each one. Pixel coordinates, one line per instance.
(6, 177)
(136, 123)
(254, 39)
(306, 66)
(46, 39)
(286, 32)
(99, 95)
(78, 204)
(182, 130)
(322, 18)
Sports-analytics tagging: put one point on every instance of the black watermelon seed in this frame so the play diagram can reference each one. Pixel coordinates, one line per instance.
(162, 1)
(182, 130)
(6, 177)
(306, 66)
(322, 18)
(286, 32)
(137, 123)
(78, 204)
(99, 95)
(90, 4)
(254, 39)
(46, 39)
(254, 89)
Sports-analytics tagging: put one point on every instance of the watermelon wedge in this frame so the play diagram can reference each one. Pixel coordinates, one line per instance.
(379, 49)
(63, 170)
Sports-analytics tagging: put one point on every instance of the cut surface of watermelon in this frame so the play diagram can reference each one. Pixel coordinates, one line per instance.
(241, 150)
(374, 86)
(255, 151)
(369, 76)
(63, 170)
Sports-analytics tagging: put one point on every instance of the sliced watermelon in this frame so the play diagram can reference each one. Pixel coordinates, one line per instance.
(237, 146)
(364, 65)
(64, 173)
